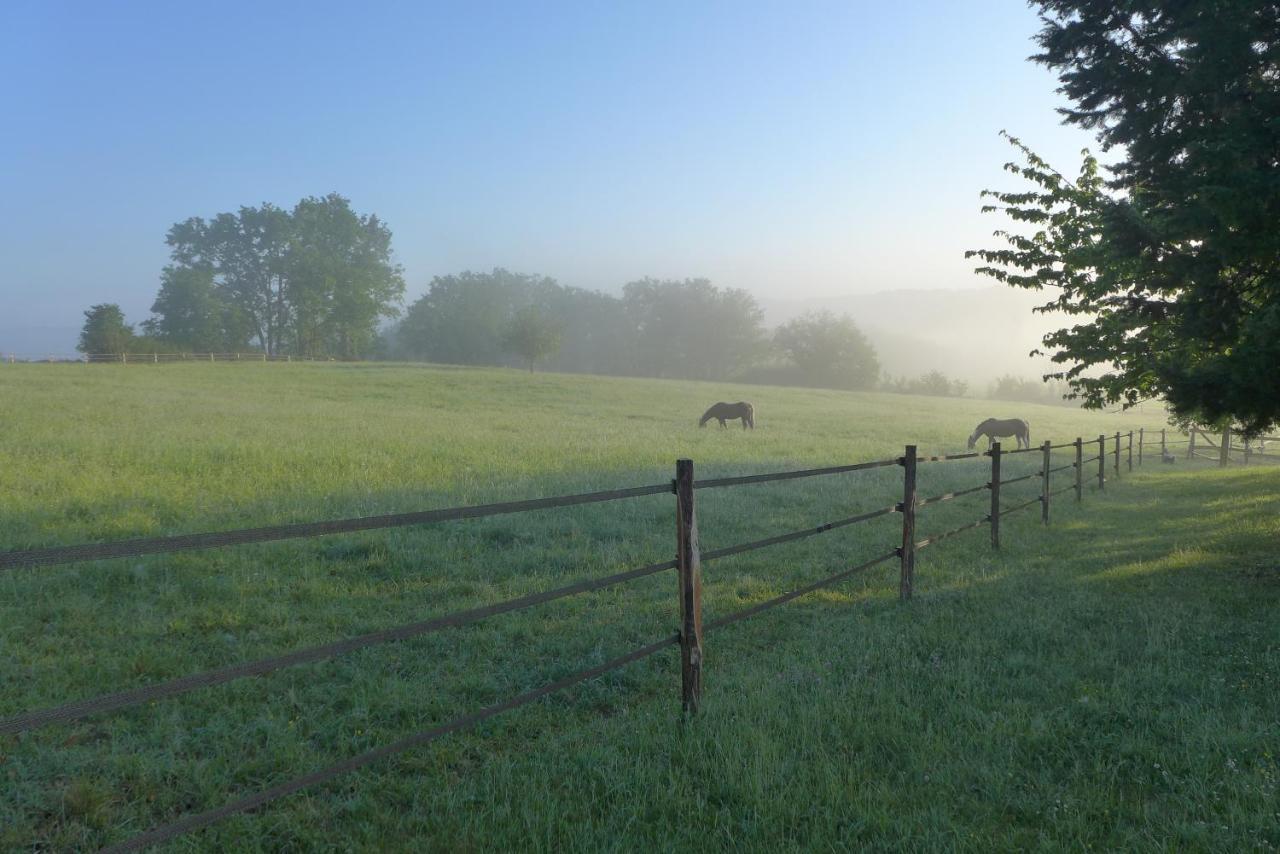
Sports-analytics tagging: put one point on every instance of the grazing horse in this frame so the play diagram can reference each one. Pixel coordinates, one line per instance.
(999, 428)
(726, 411)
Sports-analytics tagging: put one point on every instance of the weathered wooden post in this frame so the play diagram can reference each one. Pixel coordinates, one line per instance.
(1141, 438)
(124, 358)
(1102, 462)
(995, 495)
(1130, 450)
(1191, 443)
(1248, 450)
(1079, 469)
(1117, 465)
(908, 551)
(1226, 447)
(210, 357)
(1164, 445)
(1046, 448)
(689, 569)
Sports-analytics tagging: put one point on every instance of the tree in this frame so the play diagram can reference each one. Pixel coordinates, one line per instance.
(1174, 261)
(246, 253)
(829, 351)
(461, 319)
(693, 329)
(531, 336)
(104, 330)
(190, 316)
(315, 279)
(340, 277)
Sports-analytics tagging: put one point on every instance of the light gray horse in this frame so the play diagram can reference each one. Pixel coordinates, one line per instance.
(1000, 428)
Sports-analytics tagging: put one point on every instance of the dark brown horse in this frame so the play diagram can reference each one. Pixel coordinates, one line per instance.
(1000, 428)
(727, 411)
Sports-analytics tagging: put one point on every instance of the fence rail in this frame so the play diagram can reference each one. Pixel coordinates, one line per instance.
(687, 563)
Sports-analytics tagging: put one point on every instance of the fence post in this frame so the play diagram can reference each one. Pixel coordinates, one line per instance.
(995, 495)
(1248, 450)
(908, 550)
(1079, 469)
(1191, 443)
(1044, 481)
(1117, 465)
(1164, 446)
(1130, 450)
(1141, 438)
(1102, 462)
(689, 569)
(124, 358)
(1226, 447)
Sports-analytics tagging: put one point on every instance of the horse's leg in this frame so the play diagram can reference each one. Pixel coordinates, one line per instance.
(722, 424)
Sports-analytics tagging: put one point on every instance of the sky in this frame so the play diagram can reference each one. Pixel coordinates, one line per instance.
(794, 149)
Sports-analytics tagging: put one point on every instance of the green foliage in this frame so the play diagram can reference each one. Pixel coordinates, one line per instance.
(692, 329)
(531, 336)
(104, 330)
(828, 351)
(314, 281)
(1076, 689)
(686, 328)
(1174, 264)
(933, 384)
(461, 319)
(190, 316)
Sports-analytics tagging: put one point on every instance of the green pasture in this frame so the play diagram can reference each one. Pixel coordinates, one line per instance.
(1109, 681)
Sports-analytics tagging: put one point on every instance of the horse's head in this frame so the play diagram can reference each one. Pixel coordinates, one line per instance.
(973, 440)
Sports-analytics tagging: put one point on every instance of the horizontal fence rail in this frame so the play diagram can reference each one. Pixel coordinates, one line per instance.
(185, 542)
(252, 802)
(790, 475)
(687, 565)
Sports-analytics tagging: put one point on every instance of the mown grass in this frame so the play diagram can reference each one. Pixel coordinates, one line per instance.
(1107, 682)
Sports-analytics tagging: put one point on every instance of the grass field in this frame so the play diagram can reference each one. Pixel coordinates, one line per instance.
(1110, 681)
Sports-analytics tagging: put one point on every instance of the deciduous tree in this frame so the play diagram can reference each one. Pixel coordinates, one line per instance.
(1172, 264)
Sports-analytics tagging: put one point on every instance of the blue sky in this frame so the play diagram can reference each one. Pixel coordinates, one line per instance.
(794, 149)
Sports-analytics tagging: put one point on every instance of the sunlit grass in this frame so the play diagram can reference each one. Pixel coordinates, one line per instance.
(1106, 682)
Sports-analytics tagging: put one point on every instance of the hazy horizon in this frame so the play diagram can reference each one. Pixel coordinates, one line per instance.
(811, 152)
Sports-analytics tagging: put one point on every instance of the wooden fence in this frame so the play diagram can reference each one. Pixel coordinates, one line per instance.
(169, 358)
(687, 564)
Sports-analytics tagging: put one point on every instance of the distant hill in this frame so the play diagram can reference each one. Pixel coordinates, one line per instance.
(974, 334)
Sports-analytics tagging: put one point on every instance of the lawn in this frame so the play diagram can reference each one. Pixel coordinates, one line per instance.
(1108, 681)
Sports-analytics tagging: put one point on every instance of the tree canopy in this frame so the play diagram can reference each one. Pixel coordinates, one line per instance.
(1172, 261)
(828, 351)
(104, 330)
(312, 281)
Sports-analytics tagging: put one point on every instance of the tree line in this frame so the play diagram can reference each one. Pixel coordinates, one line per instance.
(675, 328)
(316, 280)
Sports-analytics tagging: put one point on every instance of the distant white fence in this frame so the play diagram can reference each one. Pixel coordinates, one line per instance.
(157, 358)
